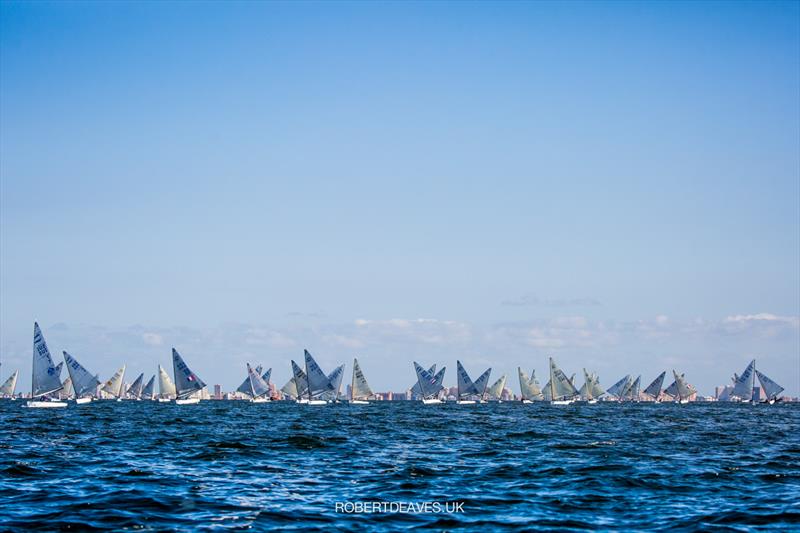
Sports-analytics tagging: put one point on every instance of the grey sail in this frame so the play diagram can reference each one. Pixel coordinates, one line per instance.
(415, 390)
(258, 387)
(166, 388)
(586, 391)
(245, 388)
(135, 390)
(318, 382)
(9, 386)
(290, 389)
(429, 384)
(560, 385)
(743, 388)
(672, 390)
(654, 389)
(359, 388)
(148, 391)
(267, 375)
(618, 388)
(529, 387)
(335, 380)
(634, 390)
(771, 389)
(113, 385)
(597, 389)
(547, 392)
(186, 381)
(496, 390)
(684, 390)
(83, 382)
(66, 391)
(465, 386)
(46, 376)
(300, 380)
(482, 383)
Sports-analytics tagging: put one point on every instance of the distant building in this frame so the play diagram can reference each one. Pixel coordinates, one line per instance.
(217, 392)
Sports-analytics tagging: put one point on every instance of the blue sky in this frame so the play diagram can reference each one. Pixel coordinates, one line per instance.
(613, 184)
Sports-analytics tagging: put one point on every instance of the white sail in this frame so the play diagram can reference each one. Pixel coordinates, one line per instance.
(186, 381)
(258, 387)
(415, 390)
(300, 380)
(9, 386)
(586, 391)
(359, 389)
(529, 387)
(495, 392)
(46, 376)
(245, 388)
(290, 389)
(148, 391)
(166, 388)
(318, 382)
(83, 382)
(654, 389)
(683, 389)
(560, 385)
(618, 389)
(429, 384)
(743, 388)
(335, 383)
(66, 391)
(771, 389)
(115, 384)
(135, 390)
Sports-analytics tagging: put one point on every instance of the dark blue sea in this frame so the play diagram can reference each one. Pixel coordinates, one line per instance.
(235, 465)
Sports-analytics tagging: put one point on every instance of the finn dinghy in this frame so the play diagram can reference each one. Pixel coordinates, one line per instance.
(187, 384)
(166, 388)
(745, 389)
(430, 385)
(9, 385)
(562, 391)
(360, 392)
(116, 384)
(258, 389)
(495, 392)
(467, 390)
(529, 388)
(45, 379)
(84, 383)
(321, 388)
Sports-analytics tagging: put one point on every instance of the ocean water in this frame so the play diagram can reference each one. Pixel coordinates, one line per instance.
(236, 465)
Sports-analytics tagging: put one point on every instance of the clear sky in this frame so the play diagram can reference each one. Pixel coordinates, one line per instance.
(613, 184)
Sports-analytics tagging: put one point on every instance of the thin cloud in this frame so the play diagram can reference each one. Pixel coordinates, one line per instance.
(533, 300)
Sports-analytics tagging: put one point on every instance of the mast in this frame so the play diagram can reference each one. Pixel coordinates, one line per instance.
(552, 382)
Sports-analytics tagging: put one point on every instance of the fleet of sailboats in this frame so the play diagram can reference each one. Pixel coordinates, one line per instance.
(310, 385)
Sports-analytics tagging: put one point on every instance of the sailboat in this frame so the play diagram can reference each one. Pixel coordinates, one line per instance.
(467, 389)
(335, 379)
(84, 383)
(360, 392)
(166, 388)
(744, 388)
(632, 392)
(495, 392)
(320, 386)
(430, 385)
(617, 390)
(562, 391)
(654, 389)
(45, 379)
(115, 385)
(148, 392)
(186, 382)
(680, 390)
(591, 390)
(290, 390)
(258, 388)
(66, 392)
(529, 387)
(300, 382)
(9, 386)
(244, 388)
(135, 390)
(415, 390)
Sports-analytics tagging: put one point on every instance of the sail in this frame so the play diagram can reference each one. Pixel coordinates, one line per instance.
(135, 390)
(290, 389)
(258, 387)
(496, 390)
(429, 384)
(743, 388)
(9, 386)
(560, 385)
(245, 388)
(597, 389)
(300, 380)
(529, 387)
(672, 390)
(618, 388)
(149, 389)
(186, 381)
(266, 375)
(634, 390)
(318, 382)
(683, 389)
(547, 394)
(654, 389)
(360, 389)
(83, 382)
(415, 390)
(166, 387)
(482, 383)
(67, 391)
(46, 376)
(771, 389)
(113, 385)
(335, 380)
(465, 385)
(586, 389)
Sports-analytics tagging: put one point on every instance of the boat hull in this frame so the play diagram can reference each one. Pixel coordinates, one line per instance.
(188, 401)
(164, 400)
(466, 402)
(560, 402)
(259, 400)
(44, 405)
(317, 402)
(431, 401)
(81, 401)
(359, 402)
